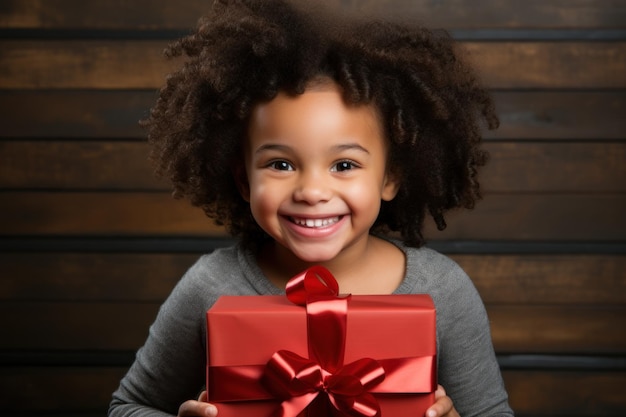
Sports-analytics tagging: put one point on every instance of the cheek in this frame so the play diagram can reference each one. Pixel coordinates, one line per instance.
(364, 195)
(264, 200)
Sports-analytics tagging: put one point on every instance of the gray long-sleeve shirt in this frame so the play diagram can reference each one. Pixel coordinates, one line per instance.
(170, 368)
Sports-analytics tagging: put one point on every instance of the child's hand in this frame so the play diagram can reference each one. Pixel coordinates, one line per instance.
(198, 408)
(443, 406)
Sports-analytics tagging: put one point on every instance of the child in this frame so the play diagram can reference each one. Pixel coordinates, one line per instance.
(317, 141)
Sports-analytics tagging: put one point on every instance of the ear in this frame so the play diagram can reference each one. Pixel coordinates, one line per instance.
(241, 180)
(391, 186)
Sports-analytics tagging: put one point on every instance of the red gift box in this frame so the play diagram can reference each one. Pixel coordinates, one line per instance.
(316, 353)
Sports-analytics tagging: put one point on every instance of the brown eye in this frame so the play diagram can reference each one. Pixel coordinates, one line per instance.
(281, 166)
(343, 166)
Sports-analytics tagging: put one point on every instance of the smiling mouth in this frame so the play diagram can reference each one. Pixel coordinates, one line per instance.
(315, 223)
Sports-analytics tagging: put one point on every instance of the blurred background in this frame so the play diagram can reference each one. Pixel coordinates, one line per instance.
(91, 243)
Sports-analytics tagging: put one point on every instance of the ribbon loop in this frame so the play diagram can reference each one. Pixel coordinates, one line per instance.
(288, 374)
(314, 282)
(298, 381)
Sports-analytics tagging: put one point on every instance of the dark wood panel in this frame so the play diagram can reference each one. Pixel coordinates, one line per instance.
(514, 166)
(547, 279)
(124, 326)
(38, 164)
(101, 14)
(60, 390)
(81, 326)
(83, 64)
(571, 115)
(558, 329)
(91, 277)
(500, 279)
(78, 165)
(139, 64)
(555, 167)
(550, 64)
(531, 393)
(552, 217)
(163, 14)
(560, 115)
(75, 114)
(551, 393)
(109, 214)
(558, 217)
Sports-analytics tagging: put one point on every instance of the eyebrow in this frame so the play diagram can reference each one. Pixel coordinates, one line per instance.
(351, 146)
(271, 147)
(338, 148)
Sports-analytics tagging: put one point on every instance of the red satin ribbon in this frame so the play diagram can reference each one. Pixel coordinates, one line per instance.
(299, 381)
(326, 313)
(243, 382)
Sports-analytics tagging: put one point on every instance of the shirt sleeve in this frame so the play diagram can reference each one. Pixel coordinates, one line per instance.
(468, 368)
(170, 368)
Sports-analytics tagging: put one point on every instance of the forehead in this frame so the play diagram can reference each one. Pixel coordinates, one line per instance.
(320, 107)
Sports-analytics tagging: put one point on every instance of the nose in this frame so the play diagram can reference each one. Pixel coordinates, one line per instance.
(312, 187)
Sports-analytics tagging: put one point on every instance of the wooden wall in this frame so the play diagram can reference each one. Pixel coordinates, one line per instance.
(91, 243)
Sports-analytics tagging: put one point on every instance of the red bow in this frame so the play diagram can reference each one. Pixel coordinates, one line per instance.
(300, 381)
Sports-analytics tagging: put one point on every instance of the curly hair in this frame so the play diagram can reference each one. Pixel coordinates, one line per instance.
(244, 52)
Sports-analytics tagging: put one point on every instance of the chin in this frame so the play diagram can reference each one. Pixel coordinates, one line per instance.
(315, 257)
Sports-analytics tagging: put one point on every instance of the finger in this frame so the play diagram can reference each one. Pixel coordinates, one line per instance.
(196, 408)
(443, 405)
(440, 392)
(204, 397)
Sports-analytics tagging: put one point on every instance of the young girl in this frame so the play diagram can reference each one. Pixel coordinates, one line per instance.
(317, 141)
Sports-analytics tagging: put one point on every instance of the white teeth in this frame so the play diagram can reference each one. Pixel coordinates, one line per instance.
(315, 222)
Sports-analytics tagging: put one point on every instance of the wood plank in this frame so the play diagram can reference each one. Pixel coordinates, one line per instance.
(124, 326)
(570, 115)
(550, 64)
(107, 114)
(86, 326)
(537, 393)
(61, 390)
(109, 165)
(547, 279)
(543, 393)
(108, 214)
(500, 279)
(117, 277)
(560, 217)
(162, 14)
(555, 167)
(558, 329)
(552, 217)
(115, 165)
(83, 64)
(101, 14)
(71, 165)
(139, 64)
(532, 393)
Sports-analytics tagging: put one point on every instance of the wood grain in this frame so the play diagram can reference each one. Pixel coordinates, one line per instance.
(575, 167)
(534, 279)
(138, 64)
(162, 14)
(115, 114)
(543, 393)
(523, 217)
(124, 326)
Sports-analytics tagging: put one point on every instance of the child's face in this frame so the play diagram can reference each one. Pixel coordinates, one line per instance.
(316, 173)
